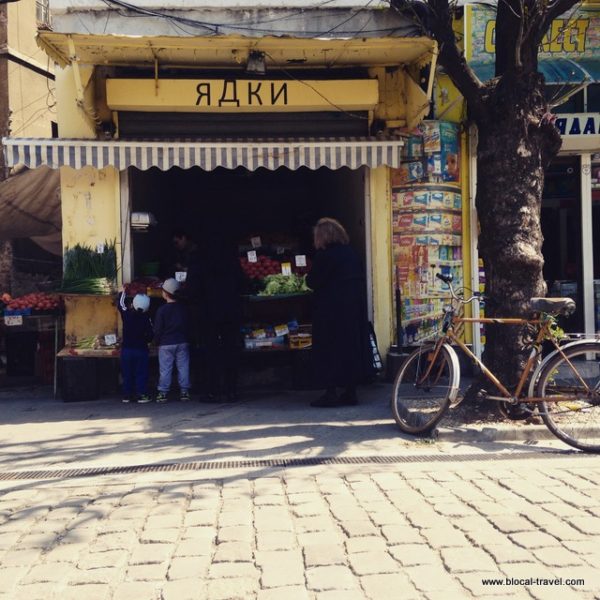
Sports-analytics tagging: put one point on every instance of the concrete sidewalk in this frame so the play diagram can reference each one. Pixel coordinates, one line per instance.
(37, 431)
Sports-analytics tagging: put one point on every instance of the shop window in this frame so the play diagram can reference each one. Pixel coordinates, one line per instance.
(573, 104)
(42, 12)
(561, 228)
(593, 97)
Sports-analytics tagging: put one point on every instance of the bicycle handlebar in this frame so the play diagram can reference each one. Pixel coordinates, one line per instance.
(447, 279)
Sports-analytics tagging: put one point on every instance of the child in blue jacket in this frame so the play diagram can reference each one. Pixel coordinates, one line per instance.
(137, 334)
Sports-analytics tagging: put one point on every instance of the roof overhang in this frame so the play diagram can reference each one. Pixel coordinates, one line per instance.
(232, 51)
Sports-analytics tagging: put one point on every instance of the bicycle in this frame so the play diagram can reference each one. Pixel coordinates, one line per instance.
(563, 386)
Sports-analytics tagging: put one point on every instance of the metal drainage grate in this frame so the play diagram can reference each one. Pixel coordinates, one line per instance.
(277, 462)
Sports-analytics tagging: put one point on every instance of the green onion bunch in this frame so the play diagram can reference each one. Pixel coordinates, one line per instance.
(87, 271)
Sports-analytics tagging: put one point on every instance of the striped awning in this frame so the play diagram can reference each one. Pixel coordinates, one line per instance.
(230, 154)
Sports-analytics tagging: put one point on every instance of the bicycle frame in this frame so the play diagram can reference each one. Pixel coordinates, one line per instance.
(544, 333)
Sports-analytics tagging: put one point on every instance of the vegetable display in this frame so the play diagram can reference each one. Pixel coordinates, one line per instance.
(89, 285)
(88, 271)
(284, 284)
(261, 268)
(142, 285)
(35, 301)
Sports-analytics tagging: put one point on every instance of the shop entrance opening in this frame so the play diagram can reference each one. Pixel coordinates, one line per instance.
(271, 213)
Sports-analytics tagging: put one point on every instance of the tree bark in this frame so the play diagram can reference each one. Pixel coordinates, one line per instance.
(516, 141)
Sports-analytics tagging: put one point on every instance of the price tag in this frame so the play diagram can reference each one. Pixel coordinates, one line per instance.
(181, 276)
(280, 250)
(100, 248)
(286, 268)
(252, 256)
(256, 241)
(281, 330)
(259, 334)
(300, 260)
(12, 320)
(110, 339)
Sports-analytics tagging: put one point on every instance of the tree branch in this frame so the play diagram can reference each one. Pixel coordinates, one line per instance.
(509, 36)
(554, 10)
(451, 57)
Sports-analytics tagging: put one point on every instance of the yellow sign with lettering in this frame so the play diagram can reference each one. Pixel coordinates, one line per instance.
(565, 35)
(241, 95)
(573, 35)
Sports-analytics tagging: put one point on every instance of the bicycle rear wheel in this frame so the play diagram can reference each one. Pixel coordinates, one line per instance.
(422, 390)
(573, 383)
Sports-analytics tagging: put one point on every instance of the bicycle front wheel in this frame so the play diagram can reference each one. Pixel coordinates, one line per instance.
(423, 389)
(572, 385)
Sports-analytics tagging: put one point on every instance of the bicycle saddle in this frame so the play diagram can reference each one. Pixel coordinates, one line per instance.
(555, 306)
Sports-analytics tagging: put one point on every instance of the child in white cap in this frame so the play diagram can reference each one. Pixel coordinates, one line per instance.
(137, 333)
(171, 327)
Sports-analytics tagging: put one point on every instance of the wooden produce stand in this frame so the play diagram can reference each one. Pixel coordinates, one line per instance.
(83, 376)
(290, 354)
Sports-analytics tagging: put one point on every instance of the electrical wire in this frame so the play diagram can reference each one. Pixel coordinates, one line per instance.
(303, 82)
(352, 16)
(28, 122)
(216, 28)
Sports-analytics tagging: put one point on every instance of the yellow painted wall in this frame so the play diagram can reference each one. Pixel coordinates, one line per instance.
(30, 94)
(90, 206)
(22, 27)
(381, 256)
(73, 122)
(90, 200)
(31, 103)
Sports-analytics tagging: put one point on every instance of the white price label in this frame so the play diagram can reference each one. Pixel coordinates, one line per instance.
(280, 250)
(110, 339)
(256, 241)
(100, 248)
(12, 320)
(300, 260)
(181, 276)
(286, 268)
(252, 256)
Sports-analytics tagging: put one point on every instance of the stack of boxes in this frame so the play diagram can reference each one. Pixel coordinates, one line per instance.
(427, 227)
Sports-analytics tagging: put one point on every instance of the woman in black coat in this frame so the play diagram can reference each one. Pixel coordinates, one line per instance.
(340, 328)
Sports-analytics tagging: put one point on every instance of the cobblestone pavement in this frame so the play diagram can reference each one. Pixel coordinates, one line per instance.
(400, 531)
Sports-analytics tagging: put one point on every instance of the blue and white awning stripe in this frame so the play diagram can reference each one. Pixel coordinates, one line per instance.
(230, 154)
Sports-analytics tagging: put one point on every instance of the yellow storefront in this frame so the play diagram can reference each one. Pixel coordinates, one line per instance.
(136, 111)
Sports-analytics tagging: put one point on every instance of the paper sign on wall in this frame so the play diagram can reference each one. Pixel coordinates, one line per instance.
(301, 260)
(256, 241)
(252, 256)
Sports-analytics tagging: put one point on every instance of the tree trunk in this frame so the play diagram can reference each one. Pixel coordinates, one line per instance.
(516, 142)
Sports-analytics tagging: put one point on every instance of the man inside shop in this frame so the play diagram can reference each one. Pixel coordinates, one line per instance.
(185, 249)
